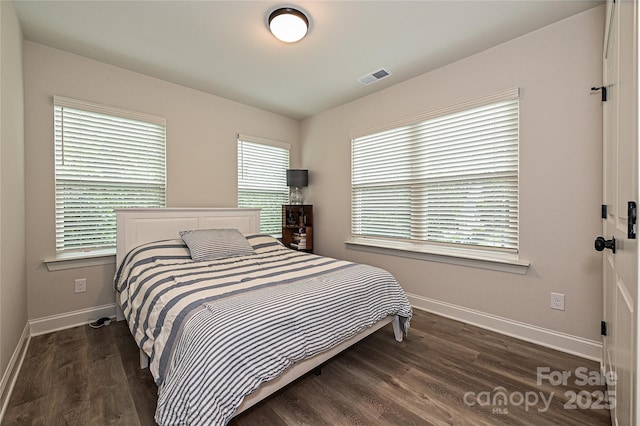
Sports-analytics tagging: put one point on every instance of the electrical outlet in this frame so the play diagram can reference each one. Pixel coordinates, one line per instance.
(557, 301)
(81, 285)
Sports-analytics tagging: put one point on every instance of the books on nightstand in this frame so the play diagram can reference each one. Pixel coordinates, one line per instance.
(299, 241)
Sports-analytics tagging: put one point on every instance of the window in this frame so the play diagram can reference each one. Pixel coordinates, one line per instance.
(105, 158)
(262, 179)
(449, 178)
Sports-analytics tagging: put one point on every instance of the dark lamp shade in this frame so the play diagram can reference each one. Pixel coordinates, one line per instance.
(297, 178)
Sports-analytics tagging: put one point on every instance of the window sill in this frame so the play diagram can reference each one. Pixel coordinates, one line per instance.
(456, 256)
(81, 259)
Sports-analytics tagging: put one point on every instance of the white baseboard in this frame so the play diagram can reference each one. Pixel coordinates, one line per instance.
(13, 369)
(70, 319)
(579, 346)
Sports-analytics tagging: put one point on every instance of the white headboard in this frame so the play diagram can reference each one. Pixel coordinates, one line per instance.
(140, 226)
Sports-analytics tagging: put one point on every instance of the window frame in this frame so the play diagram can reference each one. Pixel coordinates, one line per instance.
(101, 254)
(277, 209)
(469, 255)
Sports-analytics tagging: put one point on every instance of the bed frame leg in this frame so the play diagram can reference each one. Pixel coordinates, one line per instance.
(397, 331)
(144, 360)
(119, 313)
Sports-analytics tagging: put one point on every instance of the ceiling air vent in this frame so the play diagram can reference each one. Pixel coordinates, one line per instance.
(374, 76)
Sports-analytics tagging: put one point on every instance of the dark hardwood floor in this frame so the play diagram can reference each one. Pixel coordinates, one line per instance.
(444, 373)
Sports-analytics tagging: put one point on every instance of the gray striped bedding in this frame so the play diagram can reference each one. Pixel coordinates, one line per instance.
(216, 330)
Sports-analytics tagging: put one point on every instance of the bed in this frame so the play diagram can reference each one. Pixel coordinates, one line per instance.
(227, 316)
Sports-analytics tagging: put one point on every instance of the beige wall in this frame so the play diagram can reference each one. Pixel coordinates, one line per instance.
(201, 156)
(560, 175)
(13, 287)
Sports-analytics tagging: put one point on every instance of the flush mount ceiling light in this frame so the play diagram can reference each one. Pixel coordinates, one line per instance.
(288, 24)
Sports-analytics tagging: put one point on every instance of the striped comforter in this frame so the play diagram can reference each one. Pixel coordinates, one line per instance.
(216, 330)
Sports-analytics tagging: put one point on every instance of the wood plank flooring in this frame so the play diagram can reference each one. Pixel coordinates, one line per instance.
(439, 375)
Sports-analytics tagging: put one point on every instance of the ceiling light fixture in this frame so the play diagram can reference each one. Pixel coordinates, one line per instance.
(288, 24)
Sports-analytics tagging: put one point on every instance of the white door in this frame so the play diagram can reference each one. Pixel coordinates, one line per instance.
(620, 185)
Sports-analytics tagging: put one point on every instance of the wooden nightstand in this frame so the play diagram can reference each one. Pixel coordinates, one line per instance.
(297, 226)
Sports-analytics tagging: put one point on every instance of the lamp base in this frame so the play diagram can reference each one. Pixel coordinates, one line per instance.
(295, 197)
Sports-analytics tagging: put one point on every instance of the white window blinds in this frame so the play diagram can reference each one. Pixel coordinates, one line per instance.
(262, 179)
(105, 158)
(449, 177)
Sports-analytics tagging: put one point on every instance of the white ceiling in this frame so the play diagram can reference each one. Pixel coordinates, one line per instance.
(225, 48)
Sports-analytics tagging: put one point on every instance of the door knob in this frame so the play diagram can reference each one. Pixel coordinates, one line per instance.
(601, 244)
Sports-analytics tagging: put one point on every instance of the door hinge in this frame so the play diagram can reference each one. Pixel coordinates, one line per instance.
(603, 328)
(632, 216)
(603, 214)
(603, 90)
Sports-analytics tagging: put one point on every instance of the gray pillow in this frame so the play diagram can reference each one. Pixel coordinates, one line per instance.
(210, 244)
(262, 243)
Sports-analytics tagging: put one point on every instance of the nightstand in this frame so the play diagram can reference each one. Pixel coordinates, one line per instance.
(297, 227)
